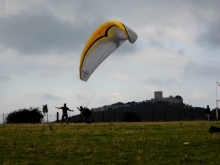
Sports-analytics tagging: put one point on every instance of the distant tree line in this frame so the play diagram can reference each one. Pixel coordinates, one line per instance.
(143, 111)
(31, 115)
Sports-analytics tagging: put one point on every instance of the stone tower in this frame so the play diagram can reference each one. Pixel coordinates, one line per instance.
(158, 95)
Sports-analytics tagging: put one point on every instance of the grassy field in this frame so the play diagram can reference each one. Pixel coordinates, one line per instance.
(159, 143)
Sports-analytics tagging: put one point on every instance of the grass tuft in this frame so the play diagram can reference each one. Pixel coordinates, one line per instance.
(50, 126)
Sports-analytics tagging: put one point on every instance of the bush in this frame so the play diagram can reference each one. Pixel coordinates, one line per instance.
(31, 115)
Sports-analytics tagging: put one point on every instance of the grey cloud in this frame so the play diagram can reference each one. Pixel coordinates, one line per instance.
(2, 6)
(1, 89)
(43, 32)
(49, 97)
(3, 92)
(209, 69)
(156, 43)
(4, 78)
(46, 96)
(211, 36)
(181, 51)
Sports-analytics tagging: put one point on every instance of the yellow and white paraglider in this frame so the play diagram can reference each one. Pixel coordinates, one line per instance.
(105, 40)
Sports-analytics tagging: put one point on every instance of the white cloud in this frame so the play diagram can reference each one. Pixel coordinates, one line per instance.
(45, 96)
(161, 57)
(120, 77)
(198, 95)
(117, 97)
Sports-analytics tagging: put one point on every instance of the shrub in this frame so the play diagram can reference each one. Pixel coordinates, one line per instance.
(31, 115)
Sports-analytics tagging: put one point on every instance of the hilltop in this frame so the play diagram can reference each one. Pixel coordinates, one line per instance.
(158, 108)
(146, 111)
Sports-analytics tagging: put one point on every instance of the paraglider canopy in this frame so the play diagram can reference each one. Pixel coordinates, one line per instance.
(105, 40)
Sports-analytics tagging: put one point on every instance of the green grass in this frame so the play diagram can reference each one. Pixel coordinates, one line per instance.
(110, 143)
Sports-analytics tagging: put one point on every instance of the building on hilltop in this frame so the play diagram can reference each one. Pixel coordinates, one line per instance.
(158, 96)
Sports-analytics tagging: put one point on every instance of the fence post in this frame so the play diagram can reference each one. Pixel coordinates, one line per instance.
(57, 116)
(115, 116)
(92, 117)
(184, 114)
(103, 116)
(139, 114)
(165, 115)
(179, 113)
(3, 118)
(152, 115)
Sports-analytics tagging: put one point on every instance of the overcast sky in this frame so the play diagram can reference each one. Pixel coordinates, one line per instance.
(177, 52)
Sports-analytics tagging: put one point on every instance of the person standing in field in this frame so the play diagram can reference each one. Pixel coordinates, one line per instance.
(86, 112)
(207, 113)
(65, 109)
